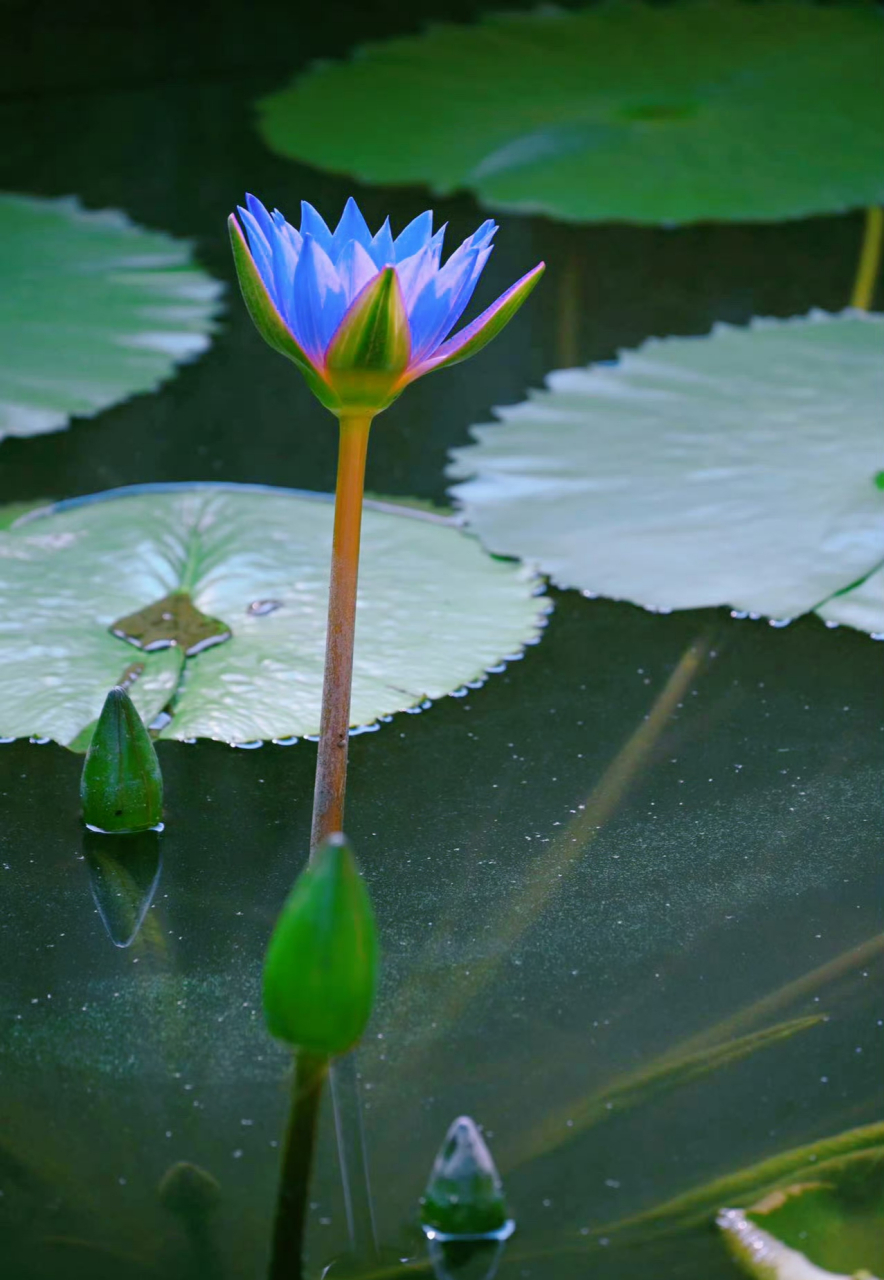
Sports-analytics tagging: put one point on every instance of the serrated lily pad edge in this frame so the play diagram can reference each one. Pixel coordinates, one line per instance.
(545, 605)
(456, 471)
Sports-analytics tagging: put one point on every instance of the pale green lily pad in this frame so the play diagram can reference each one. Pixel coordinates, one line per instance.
(831, 1227)
(737, 469)
(666, 113)
(435, 612)
(92, 310)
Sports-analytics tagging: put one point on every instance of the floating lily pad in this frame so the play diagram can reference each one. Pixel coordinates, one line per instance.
(737, 469)
(92, 310)
(832, 1226)
(665, 113)
(434, 611)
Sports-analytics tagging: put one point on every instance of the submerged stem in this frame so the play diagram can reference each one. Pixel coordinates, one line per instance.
(289, 1232)
(869, 260)
(331, 763)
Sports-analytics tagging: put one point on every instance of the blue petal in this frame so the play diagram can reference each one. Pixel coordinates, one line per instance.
(355, 268)
(443, 300)
(318, 302)
(381, 247)
(313, 225)
(352, 226)
(483, 237)
(286, 246)
(418, 233)
(415, 272)
(261, 216)
(259, 248)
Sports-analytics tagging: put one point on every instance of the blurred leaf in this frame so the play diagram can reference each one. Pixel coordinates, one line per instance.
(92, 310)
(737, 469)
(662, 114)
(830, 1226)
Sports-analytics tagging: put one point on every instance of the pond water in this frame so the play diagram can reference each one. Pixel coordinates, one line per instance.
(651, 836)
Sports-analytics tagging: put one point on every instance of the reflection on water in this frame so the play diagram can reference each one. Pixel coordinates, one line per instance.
(124, 871)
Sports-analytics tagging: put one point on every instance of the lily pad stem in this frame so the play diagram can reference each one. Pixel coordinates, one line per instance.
(331, 763)
(289, 1232)
(869, 259)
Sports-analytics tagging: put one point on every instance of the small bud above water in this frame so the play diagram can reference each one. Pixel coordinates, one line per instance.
(121, 786)
(321, 964)
(464, 1196)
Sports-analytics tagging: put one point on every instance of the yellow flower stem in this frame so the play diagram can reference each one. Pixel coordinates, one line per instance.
(287, 1255)
(331, 763)
(869, 259)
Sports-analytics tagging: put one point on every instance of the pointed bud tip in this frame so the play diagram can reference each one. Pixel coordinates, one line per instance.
(464, 1196)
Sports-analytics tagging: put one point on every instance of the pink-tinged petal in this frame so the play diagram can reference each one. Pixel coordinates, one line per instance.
(355, 269)
(479, 333)
(416, 271)
(440, 304)
(268, 320)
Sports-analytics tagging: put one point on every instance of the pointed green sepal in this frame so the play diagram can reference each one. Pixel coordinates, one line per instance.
(321, 965)
(372, 346)
(121, 786)
(267, 319)
(464, 1196)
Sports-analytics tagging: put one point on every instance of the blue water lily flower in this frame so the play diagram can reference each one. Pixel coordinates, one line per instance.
(363, 315)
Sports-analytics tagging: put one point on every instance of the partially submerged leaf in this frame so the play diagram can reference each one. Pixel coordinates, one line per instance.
(831, 1226)
(92, 310)
(828, 1159)
(434, 611)
(737, 469)
(637, 112)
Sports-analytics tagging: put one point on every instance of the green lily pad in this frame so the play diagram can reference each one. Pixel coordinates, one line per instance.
(737, 469)
(434, 611)
(829, 1227)
(92, 310)
(666, 113)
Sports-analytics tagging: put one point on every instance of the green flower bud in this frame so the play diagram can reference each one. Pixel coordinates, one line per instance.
(464, 1196)
(121, 786)
(321, 964)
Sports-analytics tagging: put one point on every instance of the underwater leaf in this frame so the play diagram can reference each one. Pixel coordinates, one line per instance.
(844, 1158)
(434, 611)
(830, 1226)
(92, 310)
(646, 113)
(737, 469)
